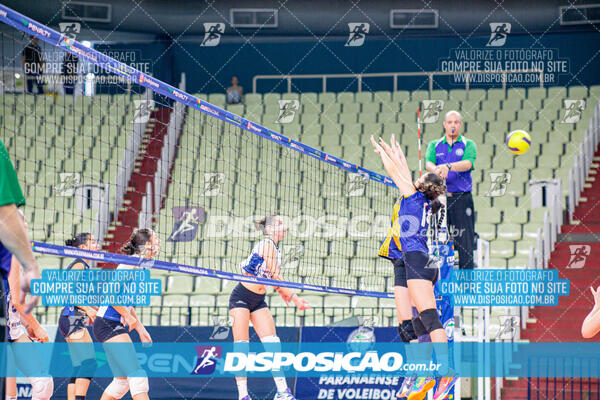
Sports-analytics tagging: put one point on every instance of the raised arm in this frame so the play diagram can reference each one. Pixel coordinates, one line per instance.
(401, 177)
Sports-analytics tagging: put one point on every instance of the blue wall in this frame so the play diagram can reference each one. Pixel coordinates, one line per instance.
(209, 69)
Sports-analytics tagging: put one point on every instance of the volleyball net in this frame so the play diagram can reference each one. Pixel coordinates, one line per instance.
(127, 150)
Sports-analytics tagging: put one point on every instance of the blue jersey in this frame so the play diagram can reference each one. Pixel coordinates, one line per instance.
(5, 259)
(390, 247)
(109, 312)
(414, 223)
(72, 310)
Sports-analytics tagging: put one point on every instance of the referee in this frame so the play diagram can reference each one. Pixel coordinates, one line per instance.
(453, 157)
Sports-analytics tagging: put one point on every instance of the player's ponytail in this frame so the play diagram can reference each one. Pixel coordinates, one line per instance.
(136, 241)
(261, 225)
(78, 240)
(436, 204)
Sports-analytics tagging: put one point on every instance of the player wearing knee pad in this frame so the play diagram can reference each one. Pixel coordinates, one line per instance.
(117, 388)
(41, 388)
(73, 323)
(247, 300)
(138, 383)
(112, 323)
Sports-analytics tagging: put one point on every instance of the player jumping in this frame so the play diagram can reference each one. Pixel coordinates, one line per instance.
(417, 200)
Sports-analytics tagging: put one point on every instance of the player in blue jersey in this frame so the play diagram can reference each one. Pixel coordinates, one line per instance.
(22, 327)
(391, 249)
(113, 323)
(73, 322)
(247, 300)
(418, 199)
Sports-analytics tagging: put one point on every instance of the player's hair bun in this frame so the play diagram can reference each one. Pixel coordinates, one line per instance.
(78, 240)
(136, 241)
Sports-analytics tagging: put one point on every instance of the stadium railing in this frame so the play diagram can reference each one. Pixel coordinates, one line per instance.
(394, 75)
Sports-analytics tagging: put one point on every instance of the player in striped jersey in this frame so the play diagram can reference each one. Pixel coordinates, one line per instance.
(247, 300)
(112, 324)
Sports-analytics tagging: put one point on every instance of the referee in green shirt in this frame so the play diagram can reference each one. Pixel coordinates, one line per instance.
(13, 237)
(453, 157)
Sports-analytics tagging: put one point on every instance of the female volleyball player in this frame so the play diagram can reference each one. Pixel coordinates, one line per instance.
(24, 328)
(247, 300)
(73, 324)
(417, 199)
(391, 249)
(110, 327)
(591, 323)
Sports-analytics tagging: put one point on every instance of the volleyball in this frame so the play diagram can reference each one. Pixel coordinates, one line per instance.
(518, 142)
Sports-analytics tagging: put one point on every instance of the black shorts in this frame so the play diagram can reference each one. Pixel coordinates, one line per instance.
(399, 272)
(68, 324)
(417, 266)
(105, 329)
(244, 298)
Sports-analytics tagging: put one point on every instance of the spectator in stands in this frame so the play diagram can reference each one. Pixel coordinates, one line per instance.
(453, 157)
(69, 72)
(234, 92)
(13, 236)
(33, 64)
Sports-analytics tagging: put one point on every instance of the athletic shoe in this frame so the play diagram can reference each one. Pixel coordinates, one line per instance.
(446, 383)
(422, 386)
(246, 397)
(407, 385)
(287, 395)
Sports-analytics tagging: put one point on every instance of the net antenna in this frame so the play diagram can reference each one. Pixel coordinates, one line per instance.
(419, 140)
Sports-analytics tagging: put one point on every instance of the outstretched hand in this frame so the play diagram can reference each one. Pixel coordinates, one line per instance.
(378, 148)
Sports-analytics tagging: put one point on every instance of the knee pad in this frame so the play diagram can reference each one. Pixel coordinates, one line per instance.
(138, 384)
(87, 368)
(407, 331)
(431, 320)
(419, 327)
(41, 388)
(117, 388)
